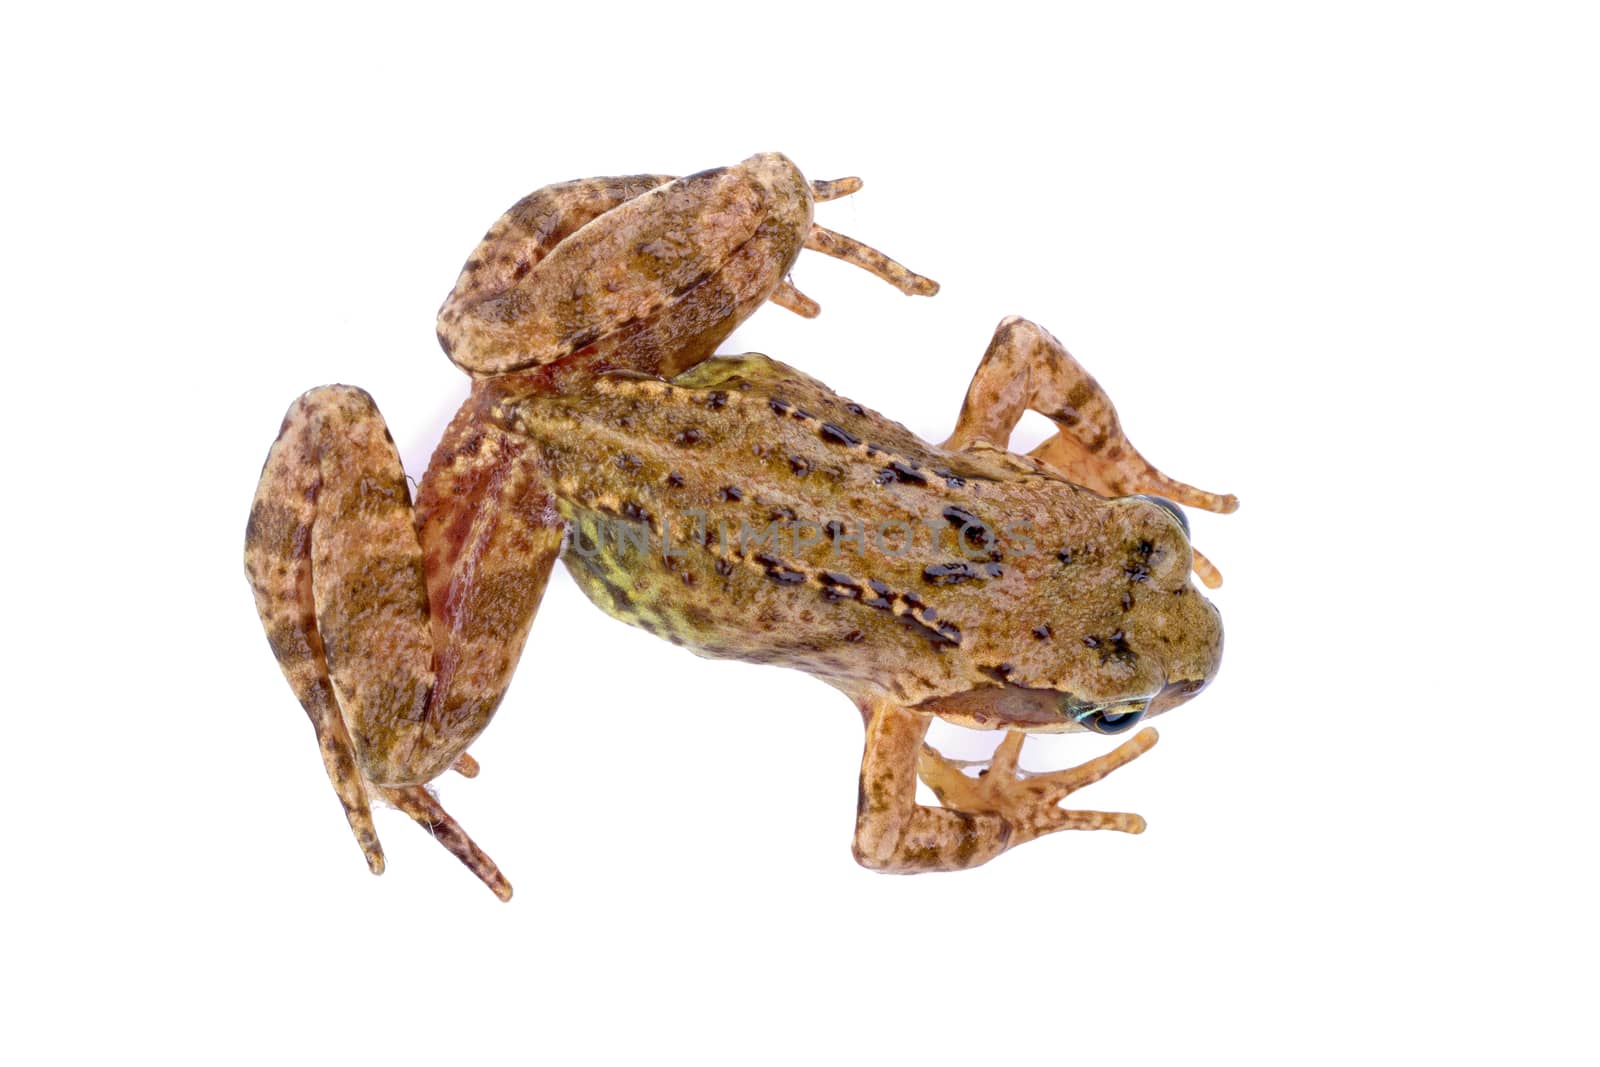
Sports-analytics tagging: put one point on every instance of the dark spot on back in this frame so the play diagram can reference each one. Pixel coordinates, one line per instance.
(835, 578)
(838, 436)
(778, 571)
(901, 472)
(881, 598)
(973, 531)
(949, 573)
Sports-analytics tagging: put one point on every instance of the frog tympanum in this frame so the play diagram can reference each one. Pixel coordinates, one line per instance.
(732, 505)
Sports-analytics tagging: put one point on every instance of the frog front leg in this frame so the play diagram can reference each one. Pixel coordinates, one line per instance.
(397, 628)
(1027, 369)
(981, 817)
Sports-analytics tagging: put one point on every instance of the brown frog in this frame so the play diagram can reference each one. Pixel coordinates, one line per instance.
(731, 505)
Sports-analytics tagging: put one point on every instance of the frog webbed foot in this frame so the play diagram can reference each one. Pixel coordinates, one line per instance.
(1028, 800)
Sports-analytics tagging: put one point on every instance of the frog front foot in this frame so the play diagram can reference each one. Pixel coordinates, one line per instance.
(1026, 369)
(981, 817)
(1027, 800)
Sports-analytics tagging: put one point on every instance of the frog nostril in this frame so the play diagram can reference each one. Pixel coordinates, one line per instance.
(1170, 508)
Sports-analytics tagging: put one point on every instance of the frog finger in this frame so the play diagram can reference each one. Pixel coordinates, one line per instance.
(823, 189)
(1060, 784)
(788, 297)
(1120, 470)
(1207, 571)
(1004, 760)
(1121, 821)
(944, 777)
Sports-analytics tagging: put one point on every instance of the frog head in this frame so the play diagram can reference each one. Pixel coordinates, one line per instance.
(1163, 643)
(1119, 632)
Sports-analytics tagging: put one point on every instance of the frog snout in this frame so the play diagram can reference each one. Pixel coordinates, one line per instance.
(1195, 660)
(1175, 693)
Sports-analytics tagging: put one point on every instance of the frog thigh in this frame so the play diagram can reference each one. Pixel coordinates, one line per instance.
(394, 687)
(981, 817)
(1027, 369)
(517, 242)
(656, 284)
(674, 260)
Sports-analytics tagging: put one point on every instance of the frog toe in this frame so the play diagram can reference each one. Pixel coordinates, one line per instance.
(423, 807)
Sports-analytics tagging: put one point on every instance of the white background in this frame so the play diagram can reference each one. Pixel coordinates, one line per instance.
(1339, 260)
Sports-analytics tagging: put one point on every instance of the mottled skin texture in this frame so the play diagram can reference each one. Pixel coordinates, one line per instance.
(732, 505)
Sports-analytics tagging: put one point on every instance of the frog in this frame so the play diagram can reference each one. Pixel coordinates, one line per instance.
(735, 506)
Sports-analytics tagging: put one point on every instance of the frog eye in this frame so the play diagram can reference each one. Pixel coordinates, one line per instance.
(1170, 508)
(1112, 717)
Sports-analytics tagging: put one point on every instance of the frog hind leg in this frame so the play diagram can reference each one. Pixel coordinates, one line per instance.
(1025, 368)
(980, 817)
(644, 272)
(396, 628)
(508, 253)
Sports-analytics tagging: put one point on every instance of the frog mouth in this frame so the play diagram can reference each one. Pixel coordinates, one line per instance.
(1175, 693)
